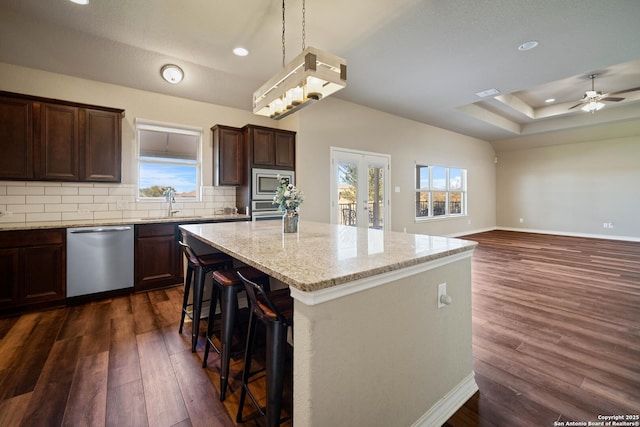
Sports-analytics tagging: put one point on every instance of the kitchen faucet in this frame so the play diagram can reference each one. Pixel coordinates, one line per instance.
(170, 197)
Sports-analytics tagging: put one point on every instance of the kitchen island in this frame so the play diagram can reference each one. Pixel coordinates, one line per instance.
(372, 347)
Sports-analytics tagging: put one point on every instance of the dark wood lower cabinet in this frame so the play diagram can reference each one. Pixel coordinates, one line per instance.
(32, 269)
(158, 261)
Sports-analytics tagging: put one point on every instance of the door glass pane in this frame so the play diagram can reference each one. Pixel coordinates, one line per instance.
(347, 193)
(376, 196)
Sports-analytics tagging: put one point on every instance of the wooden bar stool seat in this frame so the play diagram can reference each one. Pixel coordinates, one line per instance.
(197, 268)
(228, 285)
(275, 310)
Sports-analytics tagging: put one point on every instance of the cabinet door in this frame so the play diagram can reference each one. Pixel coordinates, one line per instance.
(228, 152)
(156, 262)
(59, 144)
(263, 147)
(9, 276)
(43, 273)
(102, 146)
(16, 139)
(285, 144)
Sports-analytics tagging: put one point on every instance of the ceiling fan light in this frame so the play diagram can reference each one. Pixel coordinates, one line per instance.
(592, 107)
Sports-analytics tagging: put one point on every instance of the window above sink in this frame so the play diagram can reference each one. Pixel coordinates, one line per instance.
(168, 157)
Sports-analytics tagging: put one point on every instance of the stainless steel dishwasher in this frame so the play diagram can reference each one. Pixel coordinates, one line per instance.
(99, 259)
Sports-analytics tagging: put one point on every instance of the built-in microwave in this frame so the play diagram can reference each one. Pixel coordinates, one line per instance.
(264, 182)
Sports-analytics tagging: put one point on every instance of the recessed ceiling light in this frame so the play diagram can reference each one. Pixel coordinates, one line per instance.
(488, 92)
(550, 100)
(240, 51)
(528, 45)
(172, 73)
(80, 1)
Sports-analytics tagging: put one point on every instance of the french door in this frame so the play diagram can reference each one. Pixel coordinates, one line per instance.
(359, 188)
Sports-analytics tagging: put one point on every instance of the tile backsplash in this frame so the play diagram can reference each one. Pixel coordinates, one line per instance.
(24, 202)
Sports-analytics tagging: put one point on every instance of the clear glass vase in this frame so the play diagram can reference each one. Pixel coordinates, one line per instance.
(290, 222)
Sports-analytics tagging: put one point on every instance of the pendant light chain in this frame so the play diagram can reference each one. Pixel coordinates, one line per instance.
(304, 30)
(283, 49)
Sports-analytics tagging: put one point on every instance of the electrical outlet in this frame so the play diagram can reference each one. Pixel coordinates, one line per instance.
(607, 225)
(521, 219)
(443, 298)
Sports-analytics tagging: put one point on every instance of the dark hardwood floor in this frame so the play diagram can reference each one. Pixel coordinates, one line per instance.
(556, 330)
(556, 337)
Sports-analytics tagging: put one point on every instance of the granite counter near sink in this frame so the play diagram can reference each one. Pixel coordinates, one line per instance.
(94, 223)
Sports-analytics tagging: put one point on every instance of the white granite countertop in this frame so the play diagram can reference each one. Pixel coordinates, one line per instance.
(323, 255)
(107, 222)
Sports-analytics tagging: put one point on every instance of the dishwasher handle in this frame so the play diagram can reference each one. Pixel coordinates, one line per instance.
(99, 230)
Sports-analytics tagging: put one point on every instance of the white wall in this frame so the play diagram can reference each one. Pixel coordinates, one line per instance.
(572, 188)
(337, 123)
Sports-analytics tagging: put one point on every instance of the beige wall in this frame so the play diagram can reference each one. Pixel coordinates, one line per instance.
(572, 188)
(52, 201)
(331, 122)
(136, 103)
(336, 123)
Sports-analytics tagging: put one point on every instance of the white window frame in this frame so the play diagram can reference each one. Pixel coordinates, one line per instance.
(143, 124)
(430, 189)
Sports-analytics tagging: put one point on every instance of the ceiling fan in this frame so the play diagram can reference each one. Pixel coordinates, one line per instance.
(592, 99)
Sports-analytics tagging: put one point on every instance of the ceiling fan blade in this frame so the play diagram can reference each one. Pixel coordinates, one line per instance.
(612, 98)
(577, 105)
(625, 91)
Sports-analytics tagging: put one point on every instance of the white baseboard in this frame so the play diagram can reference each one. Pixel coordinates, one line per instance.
(449, 404)
(467, 232)
(571, 234)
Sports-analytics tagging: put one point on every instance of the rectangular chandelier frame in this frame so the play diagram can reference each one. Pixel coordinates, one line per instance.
(309, 77)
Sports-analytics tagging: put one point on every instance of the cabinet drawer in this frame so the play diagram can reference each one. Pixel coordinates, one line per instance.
(154, 230)
(20, 239)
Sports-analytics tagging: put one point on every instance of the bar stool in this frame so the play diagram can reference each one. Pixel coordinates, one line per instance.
(228, 285)
(275, 310)
(199, 266)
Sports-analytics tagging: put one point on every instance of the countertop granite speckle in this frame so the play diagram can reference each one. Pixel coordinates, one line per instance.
(323, 255)
(107, 222)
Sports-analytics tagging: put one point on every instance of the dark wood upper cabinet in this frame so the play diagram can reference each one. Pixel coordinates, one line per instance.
(16, 138)
(271, 148)
(285, 150)
(59, 143)
(228, 154)
(52, 140)
(102, 145)
(262, 146)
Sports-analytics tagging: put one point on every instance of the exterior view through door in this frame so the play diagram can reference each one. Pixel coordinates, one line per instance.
(359, 188)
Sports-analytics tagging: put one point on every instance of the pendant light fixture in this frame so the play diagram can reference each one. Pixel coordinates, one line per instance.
(311, 76)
